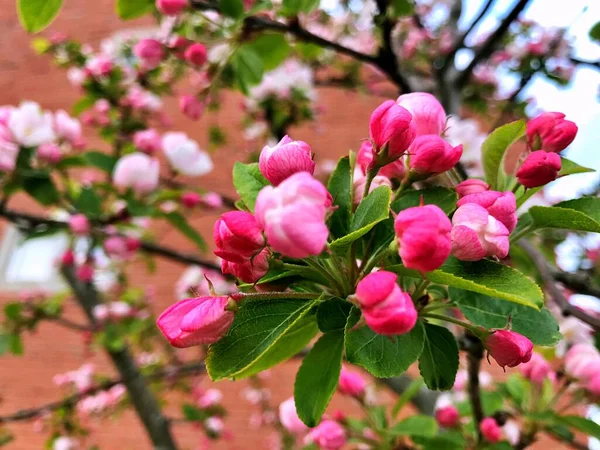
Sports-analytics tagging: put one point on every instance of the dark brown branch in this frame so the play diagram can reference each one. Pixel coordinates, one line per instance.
(386, 58)
(577, 282)
(461, 40)
(70, 401)
(490, 44)
(255, 23)
(583, 62)
(474, 348)
(547, 275)
(140, 395)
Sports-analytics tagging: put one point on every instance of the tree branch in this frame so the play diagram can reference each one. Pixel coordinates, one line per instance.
(578, 282)
(70, 401)
(547, 275)
(474, 348)
(583, 62)
(142, 398)
(255, 23)
(424, 400)
(489, 45)
(461, 40)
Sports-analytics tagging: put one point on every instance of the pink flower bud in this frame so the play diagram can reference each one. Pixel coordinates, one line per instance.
(115, 246)
(195, 54)
(360, 181)
(195, 321)
(238, 236)
(471, 186)
(394, 170)
(171, 7)
(428, 114)
(593, 385)
(490, 430)
(49, 153)
(293, 215)
(99, 66)
(351, 383)
(284, 159)
(582, 361)
(476, 234)
(430, 154)
(147, 141)
(550, 132)
(387, 309)
(191, 107)
(137, 171)
(85, 272)
(67, 258)
(191, 199)
(289, 417)
(328, 435)
(423, 234)
(79, 224)
(501, 205)
(133, 244)
(509, 348)
(537, 369)
(391, 125)
(250, 270)
(447, 416)
(150, 52)
(539, 168)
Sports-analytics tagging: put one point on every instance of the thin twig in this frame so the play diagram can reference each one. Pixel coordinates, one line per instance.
(474, 349)
(490, 44)
(546, 273)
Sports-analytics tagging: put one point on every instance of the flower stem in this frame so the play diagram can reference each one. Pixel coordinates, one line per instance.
(274, 295)
(515, 237)
(453, 320)
(371, 173)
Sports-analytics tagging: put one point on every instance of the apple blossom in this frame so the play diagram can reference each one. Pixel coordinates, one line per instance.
(30, 126)
(501, 205)
(509, 348)
(195, 321)
(550, 132)
(391, 125)
(293, 215)
(184, 154)
(289, 417)
(147, 141)
(137, 171)
(423, 234)
(328, 435)
(286, 158)
(428, 114)
(79, 224)
(67, 127)
(537, 369)
(191, 107)
(539, 168)
(150, 52)
(430, 154)
(238, 236)
(351, 383)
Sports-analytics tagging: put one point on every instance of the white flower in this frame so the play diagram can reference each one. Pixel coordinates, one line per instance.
(30, 126)
(185, 155)
(65, 443)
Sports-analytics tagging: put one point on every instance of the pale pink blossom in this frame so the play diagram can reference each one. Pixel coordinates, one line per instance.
(137, 171)
(30, 126)
(427, 112)
(184, 154)
(285, 158)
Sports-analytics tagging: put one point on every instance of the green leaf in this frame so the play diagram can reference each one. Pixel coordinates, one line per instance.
(438, 363)
(595, 32)
(35, 15)
(413, 389)
(383, 356)
(272, 48)
(232, 8)
(443, 197)
(248, 67)
(494, 149)
(180, 222)
(83, 104)
(294, 7)
(372, 210)
(100, 160)
(42, 189)
(582, 214)
(258, 326)
(581, 424)
(248, 182)
(318, 377)
(88, 203)
(333, 314)
(401, 8)
(193, 414)
(4, 343)
(132, 9)
(15, 344)
(12, 311)
(489, 312)
(340, 188)
(486, 277)
(415, 426)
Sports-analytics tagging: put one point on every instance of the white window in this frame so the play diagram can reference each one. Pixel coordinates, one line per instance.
(31, 264)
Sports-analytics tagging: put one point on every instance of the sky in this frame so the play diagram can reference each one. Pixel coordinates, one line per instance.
(580, 99)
